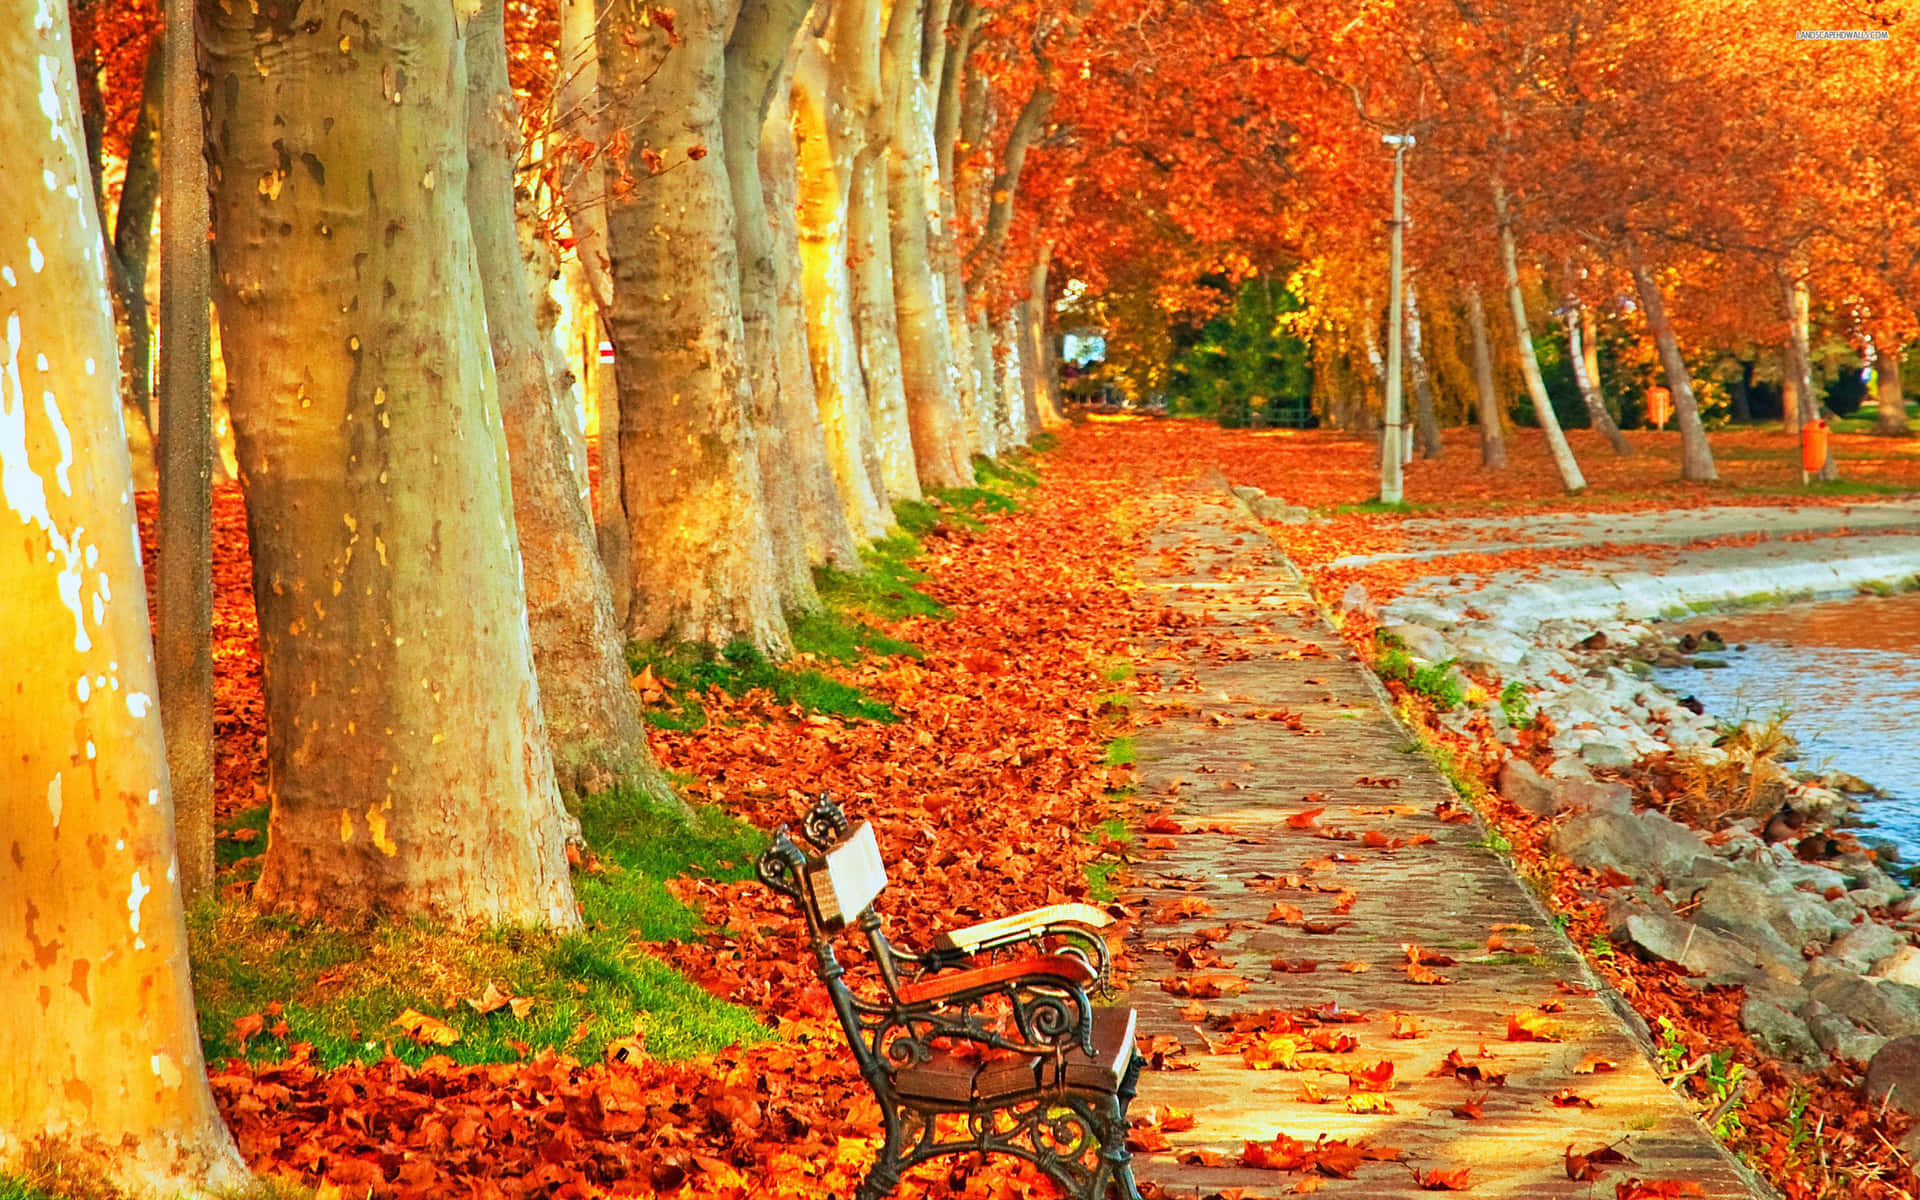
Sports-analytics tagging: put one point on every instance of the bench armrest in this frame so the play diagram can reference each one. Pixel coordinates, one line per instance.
(1065, 970)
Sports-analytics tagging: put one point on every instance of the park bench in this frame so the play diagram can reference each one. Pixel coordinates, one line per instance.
(987, 1042)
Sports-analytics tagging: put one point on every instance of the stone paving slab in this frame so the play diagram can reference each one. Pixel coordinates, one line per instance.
(1220, 760)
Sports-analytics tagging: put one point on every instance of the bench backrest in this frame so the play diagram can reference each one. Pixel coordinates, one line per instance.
(847, 879)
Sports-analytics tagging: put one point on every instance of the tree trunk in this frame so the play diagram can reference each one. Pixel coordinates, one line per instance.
(755, 67)
(579, 114)
(953, 77)
(100, 1060)
(1427, 422)
(408, 765)
(997, 404)
(1589, 385)
(829, 537)
(1800, 366)
(184, 653)
(823, 174)
(1590, 349)
(703, 561)
(1043, 402)
(1696, 457)
(1493, 438)
(593, 725)
(1011, 369)
(133, 240)
(853, 91)
(929, 371)
(1742, 394)
(1891, 420)
(1529, 366)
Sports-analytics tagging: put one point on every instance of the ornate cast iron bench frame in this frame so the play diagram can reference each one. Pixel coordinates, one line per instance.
(989, 1042)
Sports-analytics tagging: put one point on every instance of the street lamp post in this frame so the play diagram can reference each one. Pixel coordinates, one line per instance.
(1395, 430)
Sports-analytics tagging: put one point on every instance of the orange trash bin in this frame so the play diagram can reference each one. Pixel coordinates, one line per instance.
(1813, 445)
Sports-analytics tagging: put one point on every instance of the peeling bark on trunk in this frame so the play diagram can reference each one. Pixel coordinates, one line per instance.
(755, 67)
(408, 765)
(579, 112)
(1563, 459)
(1696, 457)
(1427, 422)
(1800, 366)
(1493, 438)
(703, 561)
(829, 536)
(1011, 428)
(184, 649)
(854, 95)
(1891, 419)
(823, 170)
(952, 78)
(1588, 383)
(930, 373)
(100, 1058)
(593, 725)
(1590, 347)
(996, 403)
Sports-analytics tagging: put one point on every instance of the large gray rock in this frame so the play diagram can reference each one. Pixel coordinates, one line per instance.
(1893, 1076)
(1606, 755)
(1746, 912)
(1702, 952)
(1607, 839)
(1778, 1032)
(1885, 1008)
(1864, 945)
(1587, 795)
(1247, 492)
(1675, 846)
(1485, 646)
(1841, 1037)
(1521, 783)
(1421, 642)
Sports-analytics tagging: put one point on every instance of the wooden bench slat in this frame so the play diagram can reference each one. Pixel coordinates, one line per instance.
(949, 983)
(1113, 1030)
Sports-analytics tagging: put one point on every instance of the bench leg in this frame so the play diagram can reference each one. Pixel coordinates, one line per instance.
(885, 1175)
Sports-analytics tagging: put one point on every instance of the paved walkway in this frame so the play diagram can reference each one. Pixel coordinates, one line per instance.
(1256, 660)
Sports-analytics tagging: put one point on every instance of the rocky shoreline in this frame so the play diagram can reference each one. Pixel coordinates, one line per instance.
(1768, 888)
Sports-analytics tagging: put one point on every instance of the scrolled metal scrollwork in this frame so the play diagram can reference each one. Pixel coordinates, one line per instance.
(825, 823)
(782, 866)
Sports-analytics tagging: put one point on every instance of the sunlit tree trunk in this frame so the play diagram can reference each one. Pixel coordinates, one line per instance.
(579, 112)
(1696, 457)
(1427, 422)
(1043, 401)
(408, 764)
(1493, 438)
(100, 1062)
(1799, 367)
(703, 561)
(929, 370)
(1589, 385)
(579, 655)
(949, 50)
(1570, 475)
(1009, 368)
(997, 404)
(829, 535)
(1891, 414)
(1590, 349)
(824, 173)
(755, 66)
(184, 645)
(854, 94)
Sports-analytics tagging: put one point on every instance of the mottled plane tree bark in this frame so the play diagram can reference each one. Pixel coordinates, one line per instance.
(1493, 438)
(408, 764)
(184, 641)
(579, 654)
(100, 1065)
(1696, 457)
(823, 140)
(1563, 459)
(703, 561)
(930, 371)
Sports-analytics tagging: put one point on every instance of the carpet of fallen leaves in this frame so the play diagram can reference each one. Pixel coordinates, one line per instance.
(984, 795)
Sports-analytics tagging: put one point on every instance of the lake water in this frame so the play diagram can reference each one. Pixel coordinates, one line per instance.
(1847, 672)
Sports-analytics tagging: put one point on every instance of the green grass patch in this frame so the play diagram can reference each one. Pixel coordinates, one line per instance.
(1041, 443)
(837, 636)
(687, 670)
(1513, 703)
(988, 472)
(884, 589)
(1370, 507)
(1120, 752)
(1100, 872)
(341, 987)
(14, 1188)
